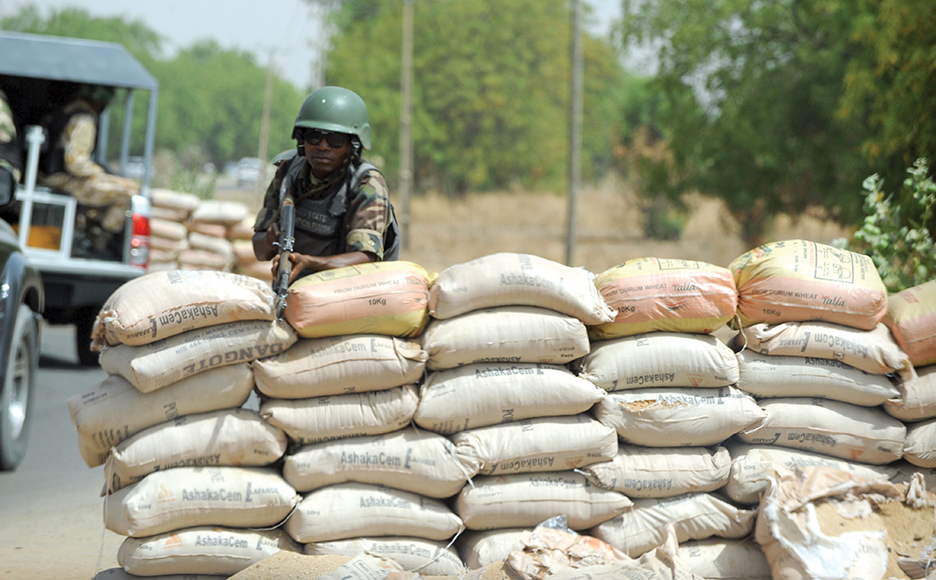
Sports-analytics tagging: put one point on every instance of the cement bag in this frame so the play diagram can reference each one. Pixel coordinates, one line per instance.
(823, 523)
(541, 444)
(185, 497)
(215, 231)
(551, 549)
(163, 304)
(527, 499)
(917, 397)
(180, 200)
(505, 334)
(229, 437)
(678, 417)
(725, 559)
(113, 410)
(157, 365)
(216, 245)
(352, 510)
(694, 516)
(167, 230)
(645, 472)
(388, 298)
(750, 465)
(765, 375)
(799, 280)
(168, 245)
(316, 367)
(652, 294)
(200, 550)
(409, 460)
(659, 359)
(862, 434)
(118, 573)
(330, 418)
(911, 318)
(362, 567)
(413, 554)
(192, 259)
(167, 214)
(479, 548)
(920, 445)
(219, 211)
(479, 395)
(874, 352)
(507, 279)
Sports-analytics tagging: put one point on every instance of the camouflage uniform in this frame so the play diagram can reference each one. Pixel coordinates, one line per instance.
(7, 137)
(365, 221)
(84, 179)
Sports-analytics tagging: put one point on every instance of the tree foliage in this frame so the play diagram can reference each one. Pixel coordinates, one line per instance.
(490, 89)
(748, 92)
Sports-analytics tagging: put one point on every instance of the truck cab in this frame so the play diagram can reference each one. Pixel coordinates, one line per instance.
(78, 270)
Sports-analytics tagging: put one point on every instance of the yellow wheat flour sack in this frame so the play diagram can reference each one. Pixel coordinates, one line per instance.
(911, 318)
(389, 298)
(799, 280)
(651, 294)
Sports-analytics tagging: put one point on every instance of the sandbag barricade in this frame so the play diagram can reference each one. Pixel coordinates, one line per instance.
(911, 318)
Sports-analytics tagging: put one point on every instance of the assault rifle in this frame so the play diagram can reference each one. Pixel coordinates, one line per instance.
(287, 224)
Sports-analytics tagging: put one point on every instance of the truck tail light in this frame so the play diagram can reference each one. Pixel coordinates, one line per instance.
(140, 241)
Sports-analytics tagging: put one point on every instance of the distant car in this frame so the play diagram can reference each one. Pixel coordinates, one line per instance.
(22, 298)
(249, 171)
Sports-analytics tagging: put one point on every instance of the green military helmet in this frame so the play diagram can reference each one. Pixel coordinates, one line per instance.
(335, 109)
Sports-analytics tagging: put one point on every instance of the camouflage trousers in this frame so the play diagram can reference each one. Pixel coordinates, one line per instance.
(102, 190)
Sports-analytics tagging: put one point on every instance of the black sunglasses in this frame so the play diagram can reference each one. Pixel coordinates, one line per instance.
(335, 140)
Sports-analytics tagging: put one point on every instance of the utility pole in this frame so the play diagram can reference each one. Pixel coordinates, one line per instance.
(406, 117)
(575, 126)
(265, 124)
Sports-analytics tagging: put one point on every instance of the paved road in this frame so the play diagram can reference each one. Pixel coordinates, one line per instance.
(51, 512)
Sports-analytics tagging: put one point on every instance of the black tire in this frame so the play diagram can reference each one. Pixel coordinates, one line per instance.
(18, 389)
(84, 322)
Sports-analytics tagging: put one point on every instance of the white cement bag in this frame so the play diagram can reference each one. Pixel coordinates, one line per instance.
(920, 445)
(427, 557)
(229, 437)
(648, 472)
(528, 499)
(725, 559)
(764, 375)
(678, 417)
(479, 395)
(862, 434)
(220, 211)
(873, 351)
(167, 230)
(170, 199)
(411, 460)
(507, 279)
(505, 334)
(695, 516)
(154, 366)
(163, 304)
(114, 409)
(185, 497)
(352, 510)
(200, 550)
(215, 244)
(541, 444)
(321, 419)
(750, 464)
(478, 548)
(917, 397)
(315, 367)
(659, 359)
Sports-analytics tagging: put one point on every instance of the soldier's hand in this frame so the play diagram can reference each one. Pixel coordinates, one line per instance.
(273, 235)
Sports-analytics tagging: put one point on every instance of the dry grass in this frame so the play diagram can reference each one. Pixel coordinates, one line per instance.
(445, 231)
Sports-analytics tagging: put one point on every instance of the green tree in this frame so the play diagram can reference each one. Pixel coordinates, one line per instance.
(490, 94)
(749, 91)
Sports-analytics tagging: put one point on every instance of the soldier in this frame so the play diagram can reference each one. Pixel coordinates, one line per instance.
(343, 211)
(10, 158)
(69, 167)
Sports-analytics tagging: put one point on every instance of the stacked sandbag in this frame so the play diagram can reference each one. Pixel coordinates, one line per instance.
(245, 261)
(168, 233)
(191, 472)
(502, 331)
(672, 401)
(208, 227)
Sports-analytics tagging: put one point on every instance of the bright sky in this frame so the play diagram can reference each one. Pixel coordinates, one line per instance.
(284, 27)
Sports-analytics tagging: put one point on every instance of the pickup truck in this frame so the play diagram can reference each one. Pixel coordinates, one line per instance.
(78, 276)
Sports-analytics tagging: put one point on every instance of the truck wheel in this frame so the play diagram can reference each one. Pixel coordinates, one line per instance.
(17, 389)
(84, 322)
